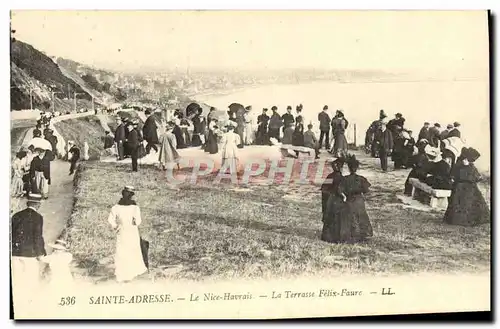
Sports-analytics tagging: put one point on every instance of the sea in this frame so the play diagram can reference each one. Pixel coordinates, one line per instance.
(433, 101)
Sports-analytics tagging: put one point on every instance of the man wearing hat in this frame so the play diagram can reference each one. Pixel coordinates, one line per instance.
(275, 124)
(262, 122)
(27, 244)
(150, 132)
(397, 124)
(455, 132)
(385, 144)
(74, 152)
(445, 133)
(120, 138)
(287, 118)
(424, 132)
(434, 133)
(324, 127)
(133, 141)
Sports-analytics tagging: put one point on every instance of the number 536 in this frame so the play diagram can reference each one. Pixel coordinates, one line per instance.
(65, 301)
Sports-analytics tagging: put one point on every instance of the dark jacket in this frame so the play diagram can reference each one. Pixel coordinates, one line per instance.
(108, 142)
(27, 234)
(120, 133)
(434, 135)
(149, 130)
(133, 139)
(324, 121)
(384, 140)
(75, 153)
(40, 165)
(287, 119)
(454, 133)
(424, 134)
(275, 121)
(262, 122)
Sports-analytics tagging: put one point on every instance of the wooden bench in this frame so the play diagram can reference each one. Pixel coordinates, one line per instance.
(285, 148)
(426, 194)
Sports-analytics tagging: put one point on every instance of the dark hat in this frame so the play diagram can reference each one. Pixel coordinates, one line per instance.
(147, 112)
(471, 154)
(339, 162)
(456, 124)
(352, 162)
(437, 125)
(298, 108)
(274, 108)
(399, 115)
(450, 126)
(248, 108)
(426, 123)
(382, 114)
(34, 197)
(288, 107)
(264, 109)
(325, 107)
(212, 108)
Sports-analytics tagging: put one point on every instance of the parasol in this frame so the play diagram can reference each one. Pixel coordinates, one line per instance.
(192, 109)
(236, 107)
(41, 143)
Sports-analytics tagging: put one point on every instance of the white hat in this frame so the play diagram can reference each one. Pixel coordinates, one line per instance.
(432, 151)
(59, 244)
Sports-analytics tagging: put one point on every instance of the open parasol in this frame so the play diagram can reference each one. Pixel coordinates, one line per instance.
(192, 109)
(41, 143)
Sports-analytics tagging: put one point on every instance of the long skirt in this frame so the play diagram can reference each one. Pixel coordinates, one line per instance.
(196, 140)
(211, 146)
(17, 185)
(340, 143)
(332, 220)
(353, 220)
(467, 206)
(40, 184)
(128, 257)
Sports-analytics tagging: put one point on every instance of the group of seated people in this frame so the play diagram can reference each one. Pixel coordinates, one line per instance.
(433, 165)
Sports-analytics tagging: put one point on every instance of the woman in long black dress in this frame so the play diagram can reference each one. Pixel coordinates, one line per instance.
(211, 145)
(467, 206)
(421, 165)
(298, 133)
(178, 132)
(354, 222)
(332, 203)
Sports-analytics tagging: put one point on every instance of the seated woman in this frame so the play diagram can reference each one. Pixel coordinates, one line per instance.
(353, 221)
(466, 205)
(440, 171)
(420, 167)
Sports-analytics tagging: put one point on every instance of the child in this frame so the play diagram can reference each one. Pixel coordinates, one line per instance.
(17, 179)
(59, 262)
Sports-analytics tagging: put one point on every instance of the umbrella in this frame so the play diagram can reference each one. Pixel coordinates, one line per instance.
(236, 107)
(41, 143)
(192, 109)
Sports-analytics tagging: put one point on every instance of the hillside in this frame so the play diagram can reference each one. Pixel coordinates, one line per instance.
(31, 70)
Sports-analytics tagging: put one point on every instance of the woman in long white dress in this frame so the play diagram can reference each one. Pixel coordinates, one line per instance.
(229, 143)
(59, 262)
(125, 218)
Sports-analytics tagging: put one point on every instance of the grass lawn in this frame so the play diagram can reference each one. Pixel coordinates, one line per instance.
(221, 231)
(85, 129)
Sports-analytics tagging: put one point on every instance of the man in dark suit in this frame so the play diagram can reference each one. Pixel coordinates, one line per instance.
(434, 134)
(324, 126)
(455, 132)
(75, 156)
(133, 145)
(287, 118)
(385, 144)
(150, 132)
(27, 244)
(424, 132)
(120, 139)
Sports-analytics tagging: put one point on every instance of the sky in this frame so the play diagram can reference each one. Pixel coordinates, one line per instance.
(390, 40)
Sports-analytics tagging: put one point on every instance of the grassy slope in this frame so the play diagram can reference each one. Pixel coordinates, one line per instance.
(217, 231)
(83, 129)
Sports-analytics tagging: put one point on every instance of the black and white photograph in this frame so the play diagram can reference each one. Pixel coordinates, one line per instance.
(249, 164)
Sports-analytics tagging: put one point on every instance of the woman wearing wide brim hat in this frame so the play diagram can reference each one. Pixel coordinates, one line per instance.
(466, 206)
(332, 202)
(59, 262)
(125, 218)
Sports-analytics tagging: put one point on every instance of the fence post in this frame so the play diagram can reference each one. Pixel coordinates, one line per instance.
(355, 144)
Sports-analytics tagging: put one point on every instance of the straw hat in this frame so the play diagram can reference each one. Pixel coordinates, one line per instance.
(59, 244)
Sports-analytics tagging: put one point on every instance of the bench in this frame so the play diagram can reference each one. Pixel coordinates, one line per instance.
(426, 194)
(285, 148)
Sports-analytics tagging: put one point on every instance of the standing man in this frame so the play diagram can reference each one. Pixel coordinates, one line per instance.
(324, 127)
(424, 132)
(455, 132)
(385, 144)
(275, 124)
(434, 133)
(262, 122)
(133, 145)
(27, 245)
(150, 132)
(287, 118)
(445, 133)
(74, 152)
(120, 139)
